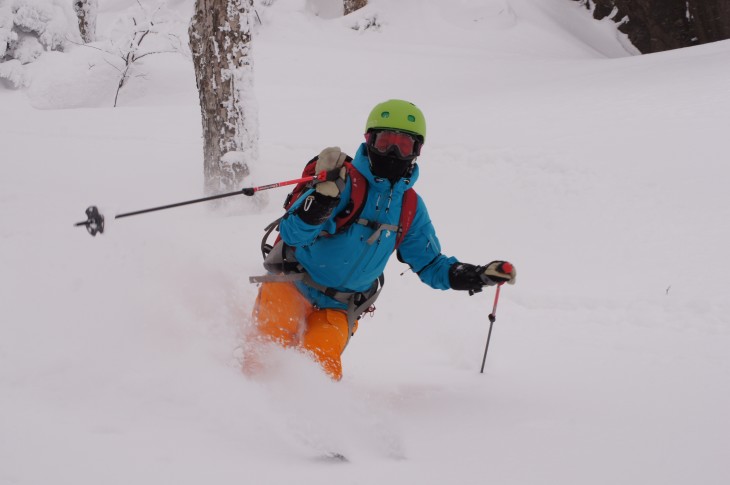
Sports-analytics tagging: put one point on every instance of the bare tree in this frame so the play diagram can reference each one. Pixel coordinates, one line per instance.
(141, 33)
(86, 13)
(220, 41)
(352, 5)
(131, 51)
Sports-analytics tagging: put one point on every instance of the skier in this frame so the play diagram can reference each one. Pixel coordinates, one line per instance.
(329, 273)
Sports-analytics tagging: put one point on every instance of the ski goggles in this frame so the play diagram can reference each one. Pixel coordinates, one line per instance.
(386, 141)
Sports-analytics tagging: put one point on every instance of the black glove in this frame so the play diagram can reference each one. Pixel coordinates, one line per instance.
(467, 277)
(317, 208)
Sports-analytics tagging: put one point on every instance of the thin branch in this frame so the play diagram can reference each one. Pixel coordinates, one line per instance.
(154, 52)
(94, 47)
(159, 7)
(122, 81)
(115, 67)
(147, 29)
(144, 9)
(143, 36)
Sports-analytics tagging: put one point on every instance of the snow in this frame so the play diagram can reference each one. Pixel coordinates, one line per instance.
(599, 174)
(52, 21)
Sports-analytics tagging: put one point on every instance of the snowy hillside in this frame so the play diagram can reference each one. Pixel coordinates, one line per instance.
(602, 175)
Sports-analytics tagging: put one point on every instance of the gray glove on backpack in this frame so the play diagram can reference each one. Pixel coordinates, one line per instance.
(330, 160)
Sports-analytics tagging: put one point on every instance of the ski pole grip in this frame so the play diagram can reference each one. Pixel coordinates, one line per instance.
(507, 267)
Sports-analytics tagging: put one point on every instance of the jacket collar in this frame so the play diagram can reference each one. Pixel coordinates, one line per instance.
(362, 164)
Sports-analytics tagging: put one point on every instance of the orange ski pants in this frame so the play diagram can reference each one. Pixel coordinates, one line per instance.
(284, 316)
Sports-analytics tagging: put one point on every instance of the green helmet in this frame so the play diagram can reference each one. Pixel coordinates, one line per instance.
(396, 114)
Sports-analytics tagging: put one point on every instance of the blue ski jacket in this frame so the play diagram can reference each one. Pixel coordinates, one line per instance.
(345, 261)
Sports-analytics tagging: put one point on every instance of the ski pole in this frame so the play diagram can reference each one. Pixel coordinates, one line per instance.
(94, 222)
(492, 319)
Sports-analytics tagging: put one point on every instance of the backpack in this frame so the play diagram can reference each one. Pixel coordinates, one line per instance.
(348, 216)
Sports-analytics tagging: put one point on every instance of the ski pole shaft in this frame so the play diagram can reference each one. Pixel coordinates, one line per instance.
(178, 204)
(94, 222)
(247, 191)
(493, 315)
(492, 319)
(489, 337)
(252, 190)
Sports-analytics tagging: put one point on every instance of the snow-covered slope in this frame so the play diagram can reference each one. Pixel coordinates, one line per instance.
(601, 175)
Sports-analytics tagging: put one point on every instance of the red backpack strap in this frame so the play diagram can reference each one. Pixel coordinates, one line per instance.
(301, 187)
(407, 214)
(358, 192)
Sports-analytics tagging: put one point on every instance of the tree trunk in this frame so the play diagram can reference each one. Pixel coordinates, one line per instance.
(86, 13)
(352, 5)
(220, 41)
(710, 19)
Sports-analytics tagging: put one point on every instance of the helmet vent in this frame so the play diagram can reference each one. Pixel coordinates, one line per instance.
(411, 118)
(385, 114)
